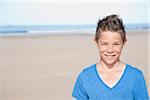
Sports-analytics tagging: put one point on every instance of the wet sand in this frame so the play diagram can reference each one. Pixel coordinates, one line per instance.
(45, 67)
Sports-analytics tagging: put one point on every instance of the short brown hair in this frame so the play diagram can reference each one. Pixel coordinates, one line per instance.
(110, 23)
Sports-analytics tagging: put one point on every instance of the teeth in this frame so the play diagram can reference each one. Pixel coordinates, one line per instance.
(110, 55)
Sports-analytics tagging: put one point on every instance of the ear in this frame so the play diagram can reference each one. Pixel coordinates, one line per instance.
(125, 41)
(95, 42)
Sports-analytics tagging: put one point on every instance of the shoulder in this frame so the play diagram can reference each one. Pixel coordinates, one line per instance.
(88, 69)
(134, 71)
(87, 72)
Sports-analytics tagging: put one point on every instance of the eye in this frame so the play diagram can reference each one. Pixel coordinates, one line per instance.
(116, 43)
(103, 43)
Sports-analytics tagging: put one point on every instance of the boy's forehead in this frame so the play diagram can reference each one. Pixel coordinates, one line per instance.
(109, 40)
(110, 37)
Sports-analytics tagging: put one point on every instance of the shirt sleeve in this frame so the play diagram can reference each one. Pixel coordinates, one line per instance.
(79, 92)
(140, 90)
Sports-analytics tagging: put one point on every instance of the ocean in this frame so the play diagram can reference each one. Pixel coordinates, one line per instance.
(60, 29)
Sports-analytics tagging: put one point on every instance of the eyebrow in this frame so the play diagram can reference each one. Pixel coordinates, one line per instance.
(118, 41)
(107, 41)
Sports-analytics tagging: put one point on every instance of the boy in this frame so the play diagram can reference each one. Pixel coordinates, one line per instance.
(110, 78)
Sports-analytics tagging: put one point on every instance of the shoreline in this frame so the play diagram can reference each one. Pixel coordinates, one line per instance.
(34, 33)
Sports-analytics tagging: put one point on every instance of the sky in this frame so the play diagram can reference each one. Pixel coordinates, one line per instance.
(50, 12)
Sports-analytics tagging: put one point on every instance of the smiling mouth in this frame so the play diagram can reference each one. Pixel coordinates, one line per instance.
(110, 55)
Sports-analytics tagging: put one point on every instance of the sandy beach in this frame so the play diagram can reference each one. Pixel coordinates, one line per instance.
(45, 67)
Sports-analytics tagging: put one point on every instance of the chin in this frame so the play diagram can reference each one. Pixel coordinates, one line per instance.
(110, 62)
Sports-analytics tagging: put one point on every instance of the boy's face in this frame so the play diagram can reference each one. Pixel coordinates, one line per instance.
(110, 45)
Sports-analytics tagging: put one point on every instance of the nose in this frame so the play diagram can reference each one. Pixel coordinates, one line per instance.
(110, 49)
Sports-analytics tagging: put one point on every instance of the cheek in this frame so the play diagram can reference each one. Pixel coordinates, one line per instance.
(114, 49)
(102, 49)
(118, 49)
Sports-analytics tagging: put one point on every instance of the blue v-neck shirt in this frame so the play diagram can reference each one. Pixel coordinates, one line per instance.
(131, 86)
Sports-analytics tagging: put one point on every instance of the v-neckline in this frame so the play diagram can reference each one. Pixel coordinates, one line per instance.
(116, 83)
